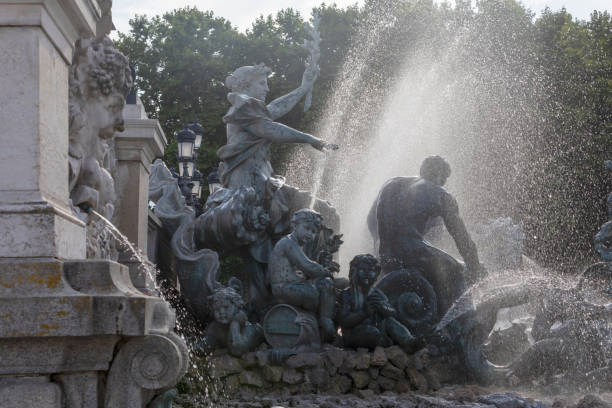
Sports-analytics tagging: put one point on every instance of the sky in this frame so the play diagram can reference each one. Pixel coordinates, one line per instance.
(242, 13)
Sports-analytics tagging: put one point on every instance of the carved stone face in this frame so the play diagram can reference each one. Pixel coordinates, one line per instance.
(224, 311)
(305, 232)
(258, 88)
(365, 278)
(106, 114)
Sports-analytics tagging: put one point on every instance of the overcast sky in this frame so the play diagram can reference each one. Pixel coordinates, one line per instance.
(243, 12)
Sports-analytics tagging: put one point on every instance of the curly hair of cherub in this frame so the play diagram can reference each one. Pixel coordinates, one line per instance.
(101, 69)
(363, 261)
(228, 293)
(306, 215)
(243, 77)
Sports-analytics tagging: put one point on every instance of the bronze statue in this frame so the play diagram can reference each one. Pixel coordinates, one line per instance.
(401, 216)
(231, 328)
(299, 281)
(366, 316)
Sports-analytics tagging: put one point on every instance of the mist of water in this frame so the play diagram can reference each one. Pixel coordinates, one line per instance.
(446, 97)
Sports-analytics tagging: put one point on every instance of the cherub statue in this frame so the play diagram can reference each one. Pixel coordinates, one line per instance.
(299, 281)
(251, 128)
(100, 79)
(366, 317)
(231, 328)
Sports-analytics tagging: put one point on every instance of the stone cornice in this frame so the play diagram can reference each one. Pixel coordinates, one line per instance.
(64, 21)
(143, 140)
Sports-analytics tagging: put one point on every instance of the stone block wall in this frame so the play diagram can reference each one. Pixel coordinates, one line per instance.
(332, 370)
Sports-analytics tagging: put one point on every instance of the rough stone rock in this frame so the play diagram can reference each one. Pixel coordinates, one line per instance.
(432, 380)
(374, 373)
(362, 359)
(560, 403)
(402, 386)
(434, 402)
(387, 384)
(420, 359)
(349, 362)
(319, 377)
(417, 380)
(360, 378)
(512, 400)
(262, 358)
(592, 401)
(251, 378)
(379, 357)
(224, 365)
(335, 355)
(272, 374)
(374, 387)
(292, 376)
(232, 384)
(397, 356)
(365, 394)
(341, 384)
(391, 371)
(304, 360)
(249, 360)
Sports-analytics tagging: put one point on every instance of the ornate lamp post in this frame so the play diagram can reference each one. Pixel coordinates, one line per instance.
(199, 132)
(196, 191)
(213, 181)
(186, 141)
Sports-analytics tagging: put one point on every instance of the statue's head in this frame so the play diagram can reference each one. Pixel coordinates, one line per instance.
(306, 225)
(435, 169)
(250, 80)
(100, 79)
(363, 272)
(226, 303)
(603, 241)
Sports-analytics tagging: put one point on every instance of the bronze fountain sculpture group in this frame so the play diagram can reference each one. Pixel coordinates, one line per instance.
(414, 295)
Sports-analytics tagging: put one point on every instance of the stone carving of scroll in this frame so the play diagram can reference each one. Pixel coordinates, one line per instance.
(144, 367)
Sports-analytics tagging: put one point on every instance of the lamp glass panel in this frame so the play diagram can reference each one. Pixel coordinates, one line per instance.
(198, 142)
(190, 166)
(185, 149)
(181, 168)
(196, 187)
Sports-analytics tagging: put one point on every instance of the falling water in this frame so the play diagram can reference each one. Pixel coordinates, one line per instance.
(451, 95)
(135, 254)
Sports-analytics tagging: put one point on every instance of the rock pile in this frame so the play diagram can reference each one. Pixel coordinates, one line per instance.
(361, 372)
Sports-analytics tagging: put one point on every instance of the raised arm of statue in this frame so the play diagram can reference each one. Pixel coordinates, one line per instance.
(281, 106)
(456, 228)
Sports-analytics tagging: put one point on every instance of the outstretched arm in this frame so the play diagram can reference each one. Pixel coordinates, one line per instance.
(278, 133)
(456, 228)
(281, 106)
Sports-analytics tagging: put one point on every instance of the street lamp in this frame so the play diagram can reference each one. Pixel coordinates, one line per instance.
(186, 141)
(196, 191)
(213, 181)
(199, 132)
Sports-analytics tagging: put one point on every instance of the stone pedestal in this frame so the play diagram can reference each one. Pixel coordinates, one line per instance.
(136, 147)
(71, 331)
(36, 45)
